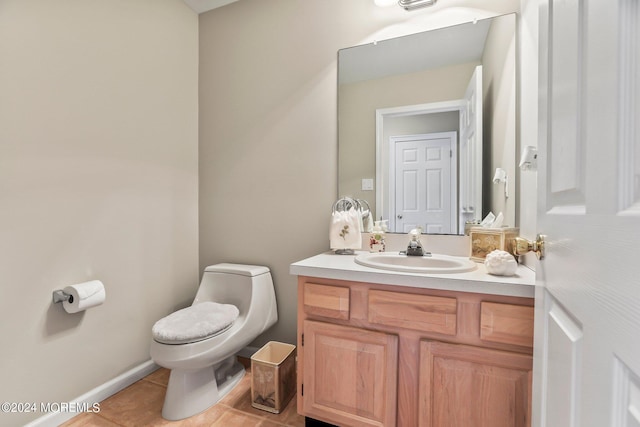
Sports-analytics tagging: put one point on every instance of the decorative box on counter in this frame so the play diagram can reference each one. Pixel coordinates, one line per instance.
(486, 240)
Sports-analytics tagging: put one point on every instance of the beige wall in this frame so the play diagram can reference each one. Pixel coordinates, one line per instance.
(99, 162)
(268, 124)
(98, 180)
(528, 125)
(499, 132)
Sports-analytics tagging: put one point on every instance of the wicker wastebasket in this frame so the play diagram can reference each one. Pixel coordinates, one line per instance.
(273, 376)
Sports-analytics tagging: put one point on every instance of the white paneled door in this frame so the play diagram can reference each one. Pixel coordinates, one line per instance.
(424, 182)
(471, 151)
(587, 360)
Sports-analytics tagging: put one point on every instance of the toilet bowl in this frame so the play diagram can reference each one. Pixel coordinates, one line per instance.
(234, 304)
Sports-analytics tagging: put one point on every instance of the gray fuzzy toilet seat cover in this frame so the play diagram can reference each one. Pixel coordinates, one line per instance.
(195, 323)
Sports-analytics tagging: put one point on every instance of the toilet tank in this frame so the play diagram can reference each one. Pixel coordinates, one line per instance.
(236, 284)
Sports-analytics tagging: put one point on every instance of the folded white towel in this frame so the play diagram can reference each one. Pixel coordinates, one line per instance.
(194, 323)
(345, 230)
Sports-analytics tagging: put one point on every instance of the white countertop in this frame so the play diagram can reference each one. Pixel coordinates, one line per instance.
(343, 267)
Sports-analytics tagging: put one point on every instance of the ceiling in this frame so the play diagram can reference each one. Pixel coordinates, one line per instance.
(201, 6)
(429, 49)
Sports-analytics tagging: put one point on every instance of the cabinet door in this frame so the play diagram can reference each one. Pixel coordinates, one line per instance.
(350, 375)
(462, 385)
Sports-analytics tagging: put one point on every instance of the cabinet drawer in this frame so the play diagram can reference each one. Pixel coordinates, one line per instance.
(326, 301)
(506, 323)
(411, 311)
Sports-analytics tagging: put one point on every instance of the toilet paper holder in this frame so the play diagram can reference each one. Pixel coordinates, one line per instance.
(60, 296)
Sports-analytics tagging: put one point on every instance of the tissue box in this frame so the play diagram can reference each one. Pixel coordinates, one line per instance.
(485, 240)
(273, 376)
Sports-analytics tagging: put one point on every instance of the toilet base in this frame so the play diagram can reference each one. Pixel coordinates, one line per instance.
(194, 391)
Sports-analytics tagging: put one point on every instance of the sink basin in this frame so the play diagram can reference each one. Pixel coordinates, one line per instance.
(434, 264)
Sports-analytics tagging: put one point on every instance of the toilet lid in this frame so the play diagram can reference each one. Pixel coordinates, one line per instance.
(195, 323)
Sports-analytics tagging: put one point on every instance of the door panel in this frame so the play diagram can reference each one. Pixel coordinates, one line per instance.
(626, 412)
(471, 151)
(563, 356)
(566, 154)
(424, 181)
(629, 140)
(588, 317)
(453, 375)
(350, 374)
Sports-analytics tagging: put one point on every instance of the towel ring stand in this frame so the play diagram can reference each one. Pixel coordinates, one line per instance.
(367, 215)
(344, 204)
(363, 204)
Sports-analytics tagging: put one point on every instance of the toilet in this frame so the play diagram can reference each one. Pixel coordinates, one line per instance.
(234, 304)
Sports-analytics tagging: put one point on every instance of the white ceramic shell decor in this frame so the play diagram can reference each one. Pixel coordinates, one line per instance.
(500, 263)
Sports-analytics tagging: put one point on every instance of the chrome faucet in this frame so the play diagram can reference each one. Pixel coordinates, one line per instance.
(415, 247)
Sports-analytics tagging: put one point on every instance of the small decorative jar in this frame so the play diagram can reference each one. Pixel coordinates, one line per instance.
(376, 238)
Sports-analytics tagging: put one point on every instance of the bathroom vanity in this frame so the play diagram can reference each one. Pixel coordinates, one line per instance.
(386, 348)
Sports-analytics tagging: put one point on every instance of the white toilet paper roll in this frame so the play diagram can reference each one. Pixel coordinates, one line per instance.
(84, 295)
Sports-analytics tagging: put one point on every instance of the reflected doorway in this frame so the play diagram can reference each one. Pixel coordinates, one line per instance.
(463, 116)
(422, 172)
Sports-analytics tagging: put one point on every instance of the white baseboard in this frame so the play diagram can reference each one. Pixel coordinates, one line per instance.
(108, 389)
(98, 394)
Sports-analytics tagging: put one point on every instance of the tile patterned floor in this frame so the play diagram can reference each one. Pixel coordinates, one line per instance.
(141, 405)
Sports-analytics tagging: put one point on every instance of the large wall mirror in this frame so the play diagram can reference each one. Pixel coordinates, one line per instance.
(424, 120)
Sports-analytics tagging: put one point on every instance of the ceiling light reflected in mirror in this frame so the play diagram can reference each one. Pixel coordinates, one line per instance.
(407, 5)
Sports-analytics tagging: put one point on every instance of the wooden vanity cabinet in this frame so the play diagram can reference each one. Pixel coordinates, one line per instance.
(351, 375)
(380, 355)
(472, 386)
